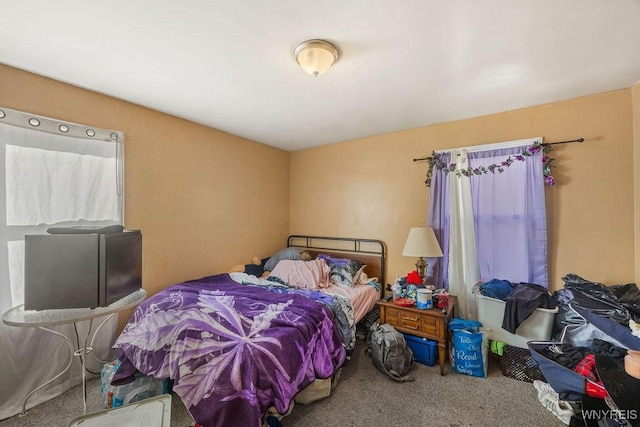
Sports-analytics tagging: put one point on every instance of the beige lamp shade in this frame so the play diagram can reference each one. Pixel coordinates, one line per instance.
(422, 243)
(316, 56)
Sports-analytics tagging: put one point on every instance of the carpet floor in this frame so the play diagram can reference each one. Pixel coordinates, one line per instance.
(364, 397)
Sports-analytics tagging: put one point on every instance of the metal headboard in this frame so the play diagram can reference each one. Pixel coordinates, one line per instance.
(370, 248)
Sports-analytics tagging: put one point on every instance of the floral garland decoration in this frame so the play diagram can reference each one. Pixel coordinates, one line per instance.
(547, 163)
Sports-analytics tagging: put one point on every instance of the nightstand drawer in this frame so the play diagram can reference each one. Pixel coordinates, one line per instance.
(405, 324)
(411, 321)
(403, 315)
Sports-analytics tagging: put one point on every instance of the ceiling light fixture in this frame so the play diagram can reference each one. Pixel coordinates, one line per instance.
(316, 56)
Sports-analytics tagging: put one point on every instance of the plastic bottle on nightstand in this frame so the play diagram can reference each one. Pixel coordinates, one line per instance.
(396, 287)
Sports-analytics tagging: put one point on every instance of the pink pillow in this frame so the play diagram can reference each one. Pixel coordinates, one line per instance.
(312, 274)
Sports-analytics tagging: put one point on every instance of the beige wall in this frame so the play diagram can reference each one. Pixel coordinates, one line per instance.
(371, 188)
(635, 94)
(192, 190)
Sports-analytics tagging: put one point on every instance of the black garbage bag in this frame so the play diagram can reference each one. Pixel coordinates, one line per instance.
(589, 310)
(598, 299)
(629, 295)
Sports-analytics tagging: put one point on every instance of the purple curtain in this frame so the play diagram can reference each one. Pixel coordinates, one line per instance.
(437, 268)
(510, 217)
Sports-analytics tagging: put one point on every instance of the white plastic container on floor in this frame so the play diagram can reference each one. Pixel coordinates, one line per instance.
(154, 411)
(537, 327)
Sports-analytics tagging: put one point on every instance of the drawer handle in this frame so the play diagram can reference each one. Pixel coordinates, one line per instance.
(413, 319)
(414, 327)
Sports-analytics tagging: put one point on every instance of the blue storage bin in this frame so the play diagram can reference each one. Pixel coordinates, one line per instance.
(424, 351)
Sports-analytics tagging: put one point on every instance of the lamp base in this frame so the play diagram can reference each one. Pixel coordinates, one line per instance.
(421, 266)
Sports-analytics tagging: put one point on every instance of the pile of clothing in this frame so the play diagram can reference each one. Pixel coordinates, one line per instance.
(583, 361)
(595, 323)
(521, 300)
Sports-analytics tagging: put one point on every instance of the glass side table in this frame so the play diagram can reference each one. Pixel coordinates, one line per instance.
(42, 319)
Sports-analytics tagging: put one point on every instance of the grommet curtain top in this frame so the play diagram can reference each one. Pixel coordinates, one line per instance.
(46, 124)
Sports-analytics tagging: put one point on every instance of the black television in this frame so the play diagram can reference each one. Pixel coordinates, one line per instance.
(81, 269)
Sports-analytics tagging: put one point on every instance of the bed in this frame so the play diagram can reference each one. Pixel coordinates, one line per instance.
(370, 252)
(237, 346)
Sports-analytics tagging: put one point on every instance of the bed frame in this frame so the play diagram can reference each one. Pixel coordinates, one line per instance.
(369, 251)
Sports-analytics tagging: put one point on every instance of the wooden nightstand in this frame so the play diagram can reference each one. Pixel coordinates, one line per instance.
(431, 324)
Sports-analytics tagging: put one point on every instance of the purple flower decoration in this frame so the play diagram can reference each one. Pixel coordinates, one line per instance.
(547, 163)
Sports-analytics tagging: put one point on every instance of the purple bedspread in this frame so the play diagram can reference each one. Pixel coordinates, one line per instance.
(233, 351)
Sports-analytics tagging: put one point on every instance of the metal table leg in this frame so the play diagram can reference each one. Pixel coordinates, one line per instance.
(81, 352)
(71, 354)
(84, 351)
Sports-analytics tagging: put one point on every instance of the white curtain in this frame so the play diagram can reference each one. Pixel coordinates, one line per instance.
(463, 271)
(53, 173)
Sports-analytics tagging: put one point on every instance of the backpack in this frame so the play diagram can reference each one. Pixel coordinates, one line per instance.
(390, 352)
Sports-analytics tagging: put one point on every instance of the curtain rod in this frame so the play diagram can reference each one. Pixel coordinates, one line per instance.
(579, 140)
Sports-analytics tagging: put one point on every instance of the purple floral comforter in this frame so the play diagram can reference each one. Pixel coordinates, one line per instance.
(233, 351)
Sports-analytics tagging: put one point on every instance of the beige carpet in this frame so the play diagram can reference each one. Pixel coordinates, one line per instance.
(365, 397)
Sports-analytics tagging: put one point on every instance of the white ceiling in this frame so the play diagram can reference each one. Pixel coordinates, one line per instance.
(404, 63)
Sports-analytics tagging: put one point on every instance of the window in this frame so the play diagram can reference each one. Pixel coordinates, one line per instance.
(53, 173)
(489, 225)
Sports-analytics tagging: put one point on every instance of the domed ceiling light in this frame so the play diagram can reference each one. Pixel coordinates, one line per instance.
(316, 56)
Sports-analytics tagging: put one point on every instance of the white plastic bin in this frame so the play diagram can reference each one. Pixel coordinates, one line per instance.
(537, 327)
(152, 412)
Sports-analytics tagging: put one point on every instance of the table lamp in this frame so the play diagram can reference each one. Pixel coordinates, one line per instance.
(422, 243)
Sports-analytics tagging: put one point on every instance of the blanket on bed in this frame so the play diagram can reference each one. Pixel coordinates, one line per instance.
(233, 351)
(339, 306)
